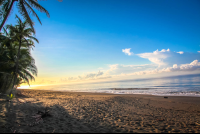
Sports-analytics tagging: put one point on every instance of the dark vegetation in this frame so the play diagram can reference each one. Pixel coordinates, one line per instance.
(17, 66)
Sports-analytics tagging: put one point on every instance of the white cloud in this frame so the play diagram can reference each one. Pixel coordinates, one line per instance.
(157, 56)
(180, 52)
(165, 58)
(195, 65)
(127, 51)
(198, 51)
(192, 66)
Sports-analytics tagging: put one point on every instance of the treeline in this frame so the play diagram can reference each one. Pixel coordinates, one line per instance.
(17, 66)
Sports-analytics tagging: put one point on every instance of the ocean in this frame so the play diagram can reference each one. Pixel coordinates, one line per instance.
(182, 85)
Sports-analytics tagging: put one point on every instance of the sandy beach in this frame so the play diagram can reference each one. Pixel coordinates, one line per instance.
(98, 112)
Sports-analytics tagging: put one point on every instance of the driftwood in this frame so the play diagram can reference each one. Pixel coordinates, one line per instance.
(44, 114)
(39, 117)
(41, 114)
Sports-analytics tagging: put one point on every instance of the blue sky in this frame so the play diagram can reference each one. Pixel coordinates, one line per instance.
(86, 38)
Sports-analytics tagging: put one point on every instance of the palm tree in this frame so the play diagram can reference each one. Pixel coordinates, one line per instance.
(25, 7)
(8, 63)
(22, 35)
(26, 67)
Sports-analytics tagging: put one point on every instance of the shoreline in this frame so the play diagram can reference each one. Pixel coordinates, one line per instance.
(113, 93)
(122, 89)
(189, 99)
(99, 112)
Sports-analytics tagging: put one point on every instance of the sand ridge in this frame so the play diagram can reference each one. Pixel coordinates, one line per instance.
(99, 112)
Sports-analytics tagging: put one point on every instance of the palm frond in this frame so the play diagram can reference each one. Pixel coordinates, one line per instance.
(33, 38)
(25, 14)
(24, 77)
(33, 12)
(36, 5)
(19, 21)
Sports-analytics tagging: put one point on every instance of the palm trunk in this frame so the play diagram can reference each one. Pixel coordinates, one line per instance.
(7, 13)
(8, 86)
(17, 64)
(4, 86)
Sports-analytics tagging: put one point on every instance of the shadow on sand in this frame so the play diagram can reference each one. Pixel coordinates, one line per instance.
(18, 118)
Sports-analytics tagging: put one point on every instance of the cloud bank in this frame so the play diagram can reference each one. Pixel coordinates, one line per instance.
(194, 65)
(88, 76)
(164, 61)
(117, 69)
(161, 62)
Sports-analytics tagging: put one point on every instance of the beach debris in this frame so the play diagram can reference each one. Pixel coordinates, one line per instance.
(165, 97)
(39, 117)
(41, 114)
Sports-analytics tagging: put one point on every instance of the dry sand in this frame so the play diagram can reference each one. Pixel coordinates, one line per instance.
(98, 112)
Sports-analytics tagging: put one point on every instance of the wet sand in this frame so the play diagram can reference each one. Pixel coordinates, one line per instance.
(99, 112)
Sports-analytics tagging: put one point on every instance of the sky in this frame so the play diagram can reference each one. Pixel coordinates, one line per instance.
(107, 40)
